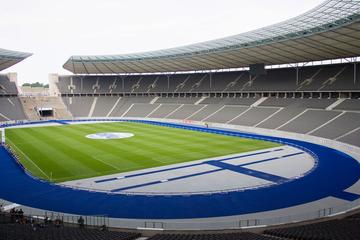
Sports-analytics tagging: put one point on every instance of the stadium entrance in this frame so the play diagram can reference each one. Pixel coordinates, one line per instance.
(45, 112)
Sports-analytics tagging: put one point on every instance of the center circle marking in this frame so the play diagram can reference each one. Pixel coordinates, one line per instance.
(110, 135)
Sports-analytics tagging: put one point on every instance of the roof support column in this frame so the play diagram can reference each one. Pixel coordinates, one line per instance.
(210, 79)
(297, 75)
(355, 73)
(123, 82)
(250, 80)
(168, 81)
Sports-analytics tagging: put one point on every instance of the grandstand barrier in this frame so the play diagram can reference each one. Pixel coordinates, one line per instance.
(234, 222)
(32, 215)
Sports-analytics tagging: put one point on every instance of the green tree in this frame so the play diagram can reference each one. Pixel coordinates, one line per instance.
(37, 84)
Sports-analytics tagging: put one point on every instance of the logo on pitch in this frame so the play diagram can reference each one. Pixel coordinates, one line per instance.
(110, 135)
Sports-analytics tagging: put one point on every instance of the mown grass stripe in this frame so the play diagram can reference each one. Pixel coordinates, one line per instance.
(28, 159)
(68, 154)
(35, 150)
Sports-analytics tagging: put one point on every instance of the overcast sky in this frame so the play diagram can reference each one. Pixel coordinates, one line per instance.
(53, 30)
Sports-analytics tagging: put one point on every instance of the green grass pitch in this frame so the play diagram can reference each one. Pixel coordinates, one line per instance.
(63, 153)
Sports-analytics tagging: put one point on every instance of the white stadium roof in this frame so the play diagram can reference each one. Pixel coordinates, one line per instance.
(9, 58)
(329, 31)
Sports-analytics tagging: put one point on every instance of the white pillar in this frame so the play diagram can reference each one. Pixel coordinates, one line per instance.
(13, 78)
(53, 88)
(2, 135)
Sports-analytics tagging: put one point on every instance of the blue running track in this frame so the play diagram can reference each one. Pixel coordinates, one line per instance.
(334, 173)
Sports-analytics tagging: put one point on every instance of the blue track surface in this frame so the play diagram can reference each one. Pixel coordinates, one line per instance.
(334, 173)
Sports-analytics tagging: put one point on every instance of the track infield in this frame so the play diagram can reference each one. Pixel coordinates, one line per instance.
(64, 153)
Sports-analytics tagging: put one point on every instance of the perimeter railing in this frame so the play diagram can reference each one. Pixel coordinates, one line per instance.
(51, 218)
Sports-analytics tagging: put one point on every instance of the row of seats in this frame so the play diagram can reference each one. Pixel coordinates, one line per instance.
(354, 216)
(10, 105)
(33, 232)
(219, 236)
(306, 116)
(345, 229)
(313, 78)
(34, 229)
(11, 109)
(6, 86)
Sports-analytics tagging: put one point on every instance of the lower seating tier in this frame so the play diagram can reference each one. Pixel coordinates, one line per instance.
(318, 117)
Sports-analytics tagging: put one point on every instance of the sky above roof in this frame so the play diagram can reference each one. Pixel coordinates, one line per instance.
(54, 30)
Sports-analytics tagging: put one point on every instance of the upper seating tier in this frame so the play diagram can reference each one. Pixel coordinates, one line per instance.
(336, 77)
